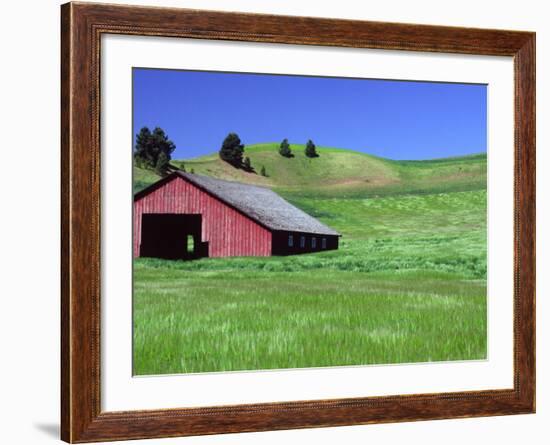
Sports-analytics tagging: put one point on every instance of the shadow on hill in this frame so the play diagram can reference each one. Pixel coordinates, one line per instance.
(248, 169)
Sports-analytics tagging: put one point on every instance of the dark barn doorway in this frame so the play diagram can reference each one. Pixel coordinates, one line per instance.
(172, 236)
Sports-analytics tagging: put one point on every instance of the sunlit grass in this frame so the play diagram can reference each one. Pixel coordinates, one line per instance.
(408, 284)
(185, 323)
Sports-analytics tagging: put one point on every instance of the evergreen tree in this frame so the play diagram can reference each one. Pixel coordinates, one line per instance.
(162, 163)
(142, 153)
(262, 171)
(284, 149)
(232, 150)
(153, 149)
(311, 151)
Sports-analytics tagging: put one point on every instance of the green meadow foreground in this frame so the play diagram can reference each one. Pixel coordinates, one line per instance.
(408, 283)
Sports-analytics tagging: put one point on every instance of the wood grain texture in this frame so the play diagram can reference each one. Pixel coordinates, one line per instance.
(81, 28)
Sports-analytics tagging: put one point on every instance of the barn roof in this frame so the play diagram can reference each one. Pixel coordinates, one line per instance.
(261, 204)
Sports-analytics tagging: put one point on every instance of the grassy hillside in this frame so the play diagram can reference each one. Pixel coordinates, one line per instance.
(408, 283)
(143, 177)
(339, 173)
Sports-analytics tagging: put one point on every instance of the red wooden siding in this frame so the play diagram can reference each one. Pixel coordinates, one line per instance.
(228, 232)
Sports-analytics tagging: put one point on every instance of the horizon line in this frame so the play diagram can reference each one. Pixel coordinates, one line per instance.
(324, 147)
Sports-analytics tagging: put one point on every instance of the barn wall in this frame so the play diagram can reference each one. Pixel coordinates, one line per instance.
(281, 247)
(228, 232)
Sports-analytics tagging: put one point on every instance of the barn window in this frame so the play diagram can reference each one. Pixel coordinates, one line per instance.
(324, 243)
(290, 241)
(190, 244)
(302, 242)
(313, 243)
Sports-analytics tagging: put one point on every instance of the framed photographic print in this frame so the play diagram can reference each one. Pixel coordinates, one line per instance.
(276, 222)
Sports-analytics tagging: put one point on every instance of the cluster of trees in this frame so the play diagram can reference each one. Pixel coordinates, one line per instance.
(310, 150)
(153, 150)
(232, 152)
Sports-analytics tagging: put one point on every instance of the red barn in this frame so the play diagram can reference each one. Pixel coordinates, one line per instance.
(185, 216)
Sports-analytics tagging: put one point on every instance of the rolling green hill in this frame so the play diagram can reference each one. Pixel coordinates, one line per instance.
(339, 173)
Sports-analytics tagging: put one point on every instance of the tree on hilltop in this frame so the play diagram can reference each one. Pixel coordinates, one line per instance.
(232, 150)
(284, 149)
(311, 151)
(153, 149)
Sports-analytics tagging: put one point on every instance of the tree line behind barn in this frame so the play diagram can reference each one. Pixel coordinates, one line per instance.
(154, 150)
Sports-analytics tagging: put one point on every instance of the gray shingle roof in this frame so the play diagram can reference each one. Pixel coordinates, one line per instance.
(261, 204)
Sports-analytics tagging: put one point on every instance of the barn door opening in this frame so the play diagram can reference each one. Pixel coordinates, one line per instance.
(172, 236)
(190, 244)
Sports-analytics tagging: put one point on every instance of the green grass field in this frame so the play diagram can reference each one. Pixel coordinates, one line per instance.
(408, 283)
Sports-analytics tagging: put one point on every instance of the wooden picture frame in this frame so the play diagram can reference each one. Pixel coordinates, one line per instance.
(82, 25)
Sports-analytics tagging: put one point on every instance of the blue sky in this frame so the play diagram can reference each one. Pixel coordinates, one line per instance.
(393, 119)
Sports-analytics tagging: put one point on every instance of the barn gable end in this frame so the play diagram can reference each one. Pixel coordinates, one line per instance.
(226, 230)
